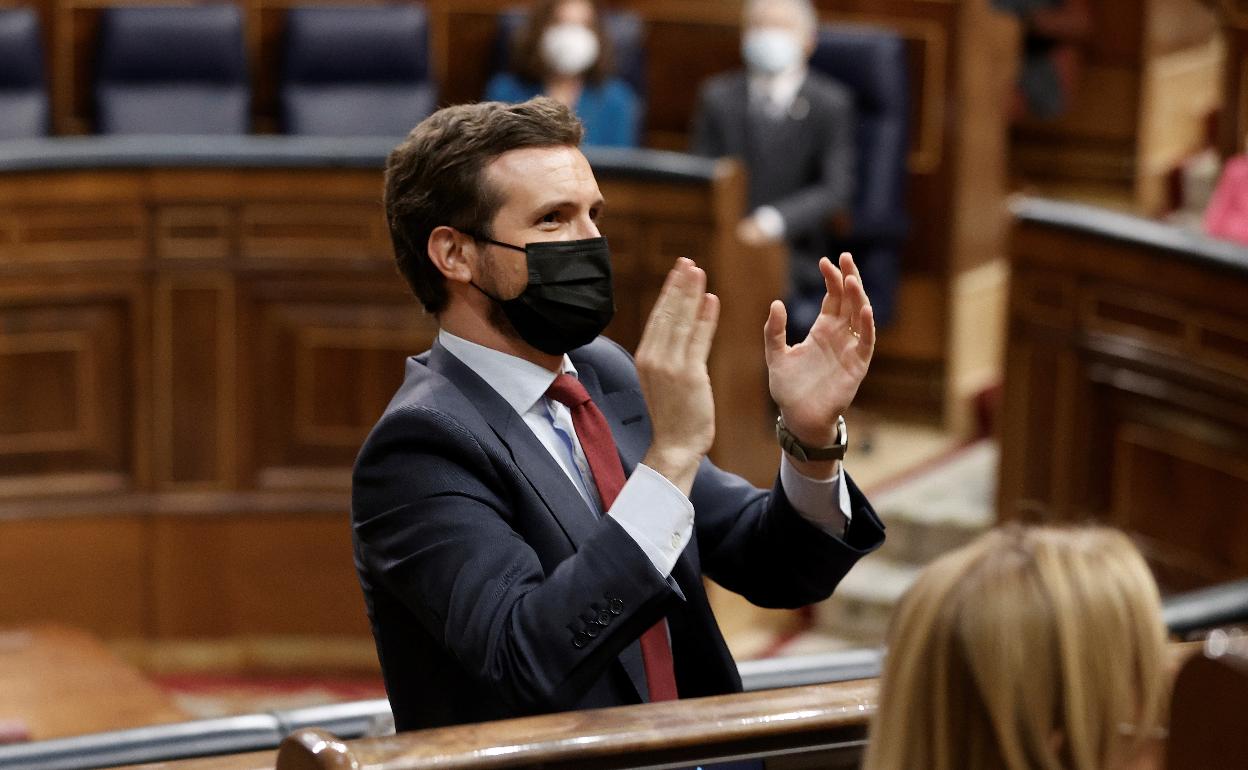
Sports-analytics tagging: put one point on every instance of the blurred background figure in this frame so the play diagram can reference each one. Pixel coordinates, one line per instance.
(1034, 647)
(1055, 34)
(1227, 214)
(794, 130)
(563, 51)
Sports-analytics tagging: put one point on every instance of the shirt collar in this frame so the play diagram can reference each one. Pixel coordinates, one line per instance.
(521, 383)
(779, 90)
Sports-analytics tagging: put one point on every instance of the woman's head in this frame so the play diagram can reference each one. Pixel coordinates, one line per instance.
(1029, 648)
(563, 38)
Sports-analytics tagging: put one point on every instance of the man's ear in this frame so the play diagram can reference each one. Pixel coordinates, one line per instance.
(452, 253)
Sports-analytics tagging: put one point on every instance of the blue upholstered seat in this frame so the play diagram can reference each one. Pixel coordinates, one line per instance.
(23, 88)
(361, 71)
(172, 70)
(871, 62)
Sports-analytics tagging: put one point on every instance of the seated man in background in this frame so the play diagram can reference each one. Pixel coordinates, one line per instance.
(534, 512)
(794, 130)
(1028, 648)
(563, 52)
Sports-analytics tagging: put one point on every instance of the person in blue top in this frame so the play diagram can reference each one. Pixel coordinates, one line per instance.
(562, 52)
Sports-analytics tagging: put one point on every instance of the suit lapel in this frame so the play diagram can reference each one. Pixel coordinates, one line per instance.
(528, 453)
(626, 415)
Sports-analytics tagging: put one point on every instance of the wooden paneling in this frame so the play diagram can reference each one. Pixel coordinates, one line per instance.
(324, 357)
(255, 574)
(73, 233)
(957, 144)
(1233, 123)
(67, 374)
(194, 389)
(90, 570)
(1151, 78)
(1125, 397)
(207, 389)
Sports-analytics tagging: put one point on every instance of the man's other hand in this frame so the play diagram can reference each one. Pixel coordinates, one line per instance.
(815, 381)
(671, 363)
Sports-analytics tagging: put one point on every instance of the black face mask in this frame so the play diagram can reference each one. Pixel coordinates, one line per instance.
(568, 300)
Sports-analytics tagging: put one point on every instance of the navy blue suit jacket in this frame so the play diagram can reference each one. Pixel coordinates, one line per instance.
(494, 591)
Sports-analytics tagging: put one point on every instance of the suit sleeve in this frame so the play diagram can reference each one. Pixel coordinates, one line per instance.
(765, 550)
(434, 527)
(810, 207)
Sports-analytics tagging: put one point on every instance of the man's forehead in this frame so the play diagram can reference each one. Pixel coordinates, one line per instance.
(542, 169)
(782, 12)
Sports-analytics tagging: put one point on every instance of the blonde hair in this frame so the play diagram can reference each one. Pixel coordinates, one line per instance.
(1028, 648)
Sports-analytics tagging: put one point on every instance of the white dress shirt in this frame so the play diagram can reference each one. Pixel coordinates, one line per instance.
(649, 508)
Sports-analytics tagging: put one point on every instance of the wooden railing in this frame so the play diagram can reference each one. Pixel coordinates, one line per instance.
(825, 723)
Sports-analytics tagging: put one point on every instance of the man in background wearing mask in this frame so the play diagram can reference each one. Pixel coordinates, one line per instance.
(794, 130)
(533, 514)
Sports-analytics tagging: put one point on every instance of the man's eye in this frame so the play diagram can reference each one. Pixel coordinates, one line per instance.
(551, 218)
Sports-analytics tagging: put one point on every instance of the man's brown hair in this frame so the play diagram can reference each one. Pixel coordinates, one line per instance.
(526, 53)
(436, 177)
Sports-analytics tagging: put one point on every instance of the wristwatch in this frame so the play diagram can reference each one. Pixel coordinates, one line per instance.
(802, 453)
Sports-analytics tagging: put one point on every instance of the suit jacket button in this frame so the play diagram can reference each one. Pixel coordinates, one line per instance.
(604, 618)
(616, 606)
(580, 640)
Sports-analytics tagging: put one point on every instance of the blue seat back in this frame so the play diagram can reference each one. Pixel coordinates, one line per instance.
(871, 63)
(23, 87)
(172, 70)
(624, 28)
(359, 71)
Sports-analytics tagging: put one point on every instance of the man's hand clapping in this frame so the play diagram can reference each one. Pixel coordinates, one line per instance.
(671, 364)
(815, 381)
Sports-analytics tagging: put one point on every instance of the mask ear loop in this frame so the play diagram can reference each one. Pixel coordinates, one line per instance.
(479, 237)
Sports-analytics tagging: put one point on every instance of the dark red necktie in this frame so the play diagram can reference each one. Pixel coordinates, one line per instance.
(604, 462)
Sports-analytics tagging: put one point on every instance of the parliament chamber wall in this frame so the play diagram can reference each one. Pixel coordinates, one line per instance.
(198, 346)
(194, 343)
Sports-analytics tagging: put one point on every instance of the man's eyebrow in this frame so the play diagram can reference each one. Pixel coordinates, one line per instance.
(561, 204)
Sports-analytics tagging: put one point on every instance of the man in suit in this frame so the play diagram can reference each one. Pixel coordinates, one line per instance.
(534, 512)
(794, 131)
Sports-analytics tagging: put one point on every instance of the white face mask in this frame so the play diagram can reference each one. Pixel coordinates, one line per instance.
(770, 50)
(569, 49)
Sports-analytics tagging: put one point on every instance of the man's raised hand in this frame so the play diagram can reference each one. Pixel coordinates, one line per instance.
(671, 364)
(815, 381)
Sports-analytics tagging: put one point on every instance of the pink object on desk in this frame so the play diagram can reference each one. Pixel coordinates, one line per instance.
(1227, 215)
(13, 731)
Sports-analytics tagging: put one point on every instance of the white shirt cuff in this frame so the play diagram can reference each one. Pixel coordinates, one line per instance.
(822, 502)
(770, 221)
(656, 515)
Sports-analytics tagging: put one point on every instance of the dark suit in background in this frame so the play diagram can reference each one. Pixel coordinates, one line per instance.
(801, 163)
(494, 591)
